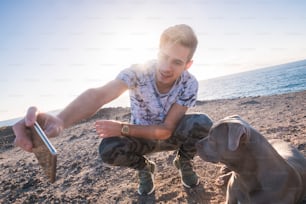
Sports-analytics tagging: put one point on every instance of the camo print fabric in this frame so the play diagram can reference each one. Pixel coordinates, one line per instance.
(130, 151)
(148, 106)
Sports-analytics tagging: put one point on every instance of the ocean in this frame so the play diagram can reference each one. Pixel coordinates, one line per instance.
(285, 78)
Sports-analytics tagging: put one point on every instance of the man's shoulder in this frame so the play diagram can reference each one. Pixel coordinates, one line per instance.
(138, 74)
(141, 69)
(144, 67)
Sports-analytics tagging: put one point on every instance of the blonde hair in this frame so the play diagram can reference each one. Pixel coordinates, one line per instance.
(182, 34)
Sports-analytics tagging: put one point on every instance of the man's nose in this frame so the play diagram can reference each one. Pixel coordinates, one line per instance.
(166, 66)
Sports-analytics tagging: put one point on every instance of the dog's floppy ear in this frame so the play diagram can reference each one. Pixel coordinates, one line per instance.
(235, 132)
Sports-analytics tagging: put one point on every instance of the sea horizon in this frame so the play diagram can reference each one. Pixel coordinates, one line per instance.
(272, 80)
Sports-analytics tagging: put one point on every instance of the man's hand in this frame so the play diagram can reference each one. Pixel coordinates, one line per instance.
(51, 125)
(108, 128)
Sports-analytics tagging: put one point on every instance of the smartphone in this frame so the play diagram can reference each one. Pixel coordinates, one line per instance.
(44, 151)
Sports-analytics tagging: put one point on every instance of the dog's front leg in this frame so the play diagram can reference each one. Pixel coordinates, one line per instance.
(235, 193)
(230, 191)
(230, 197)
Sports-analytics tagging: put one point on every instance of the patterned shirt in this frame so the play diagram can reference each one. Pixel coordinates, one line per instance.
(148, 106)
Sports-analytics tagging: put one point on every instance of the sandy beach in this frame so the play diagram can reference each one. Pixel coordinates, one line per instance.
(83, 178)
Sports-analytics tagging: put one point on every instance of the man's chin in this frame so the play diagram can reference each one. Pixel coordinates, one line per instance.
(164, 81)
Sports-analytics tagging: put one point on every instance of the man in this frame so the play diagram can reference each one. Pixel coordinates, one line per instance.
(161, 91)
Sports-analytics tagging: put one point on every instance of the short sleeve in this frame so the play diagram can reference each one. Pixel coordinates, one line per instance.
(128, 76)
(188, 95)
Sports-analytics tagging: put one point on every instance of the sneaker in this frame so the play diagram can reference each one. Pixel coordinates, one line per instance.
(188, 177)
(146, 178)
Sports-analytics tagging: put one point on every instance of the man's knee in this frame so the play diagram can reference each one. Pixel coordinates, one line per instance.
(109, 149)
(202, 120)
(195, 124)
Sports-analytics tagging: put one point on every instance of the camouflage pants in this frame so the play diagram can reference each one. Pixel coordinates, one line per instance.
(131, 151)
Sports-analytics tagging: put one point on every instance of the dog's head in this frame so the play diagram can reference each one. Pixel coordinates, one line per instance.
(224, 139)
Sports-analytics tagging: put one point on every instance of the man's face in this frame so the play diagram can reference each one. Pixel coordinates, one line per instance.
(172, 61)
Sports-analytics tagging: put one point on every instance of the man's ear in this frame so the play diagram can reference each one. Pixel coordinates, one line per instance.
(188, 65)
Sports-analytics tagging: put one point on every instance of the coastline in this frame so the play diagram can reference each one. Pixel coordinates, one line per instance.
(83, 178)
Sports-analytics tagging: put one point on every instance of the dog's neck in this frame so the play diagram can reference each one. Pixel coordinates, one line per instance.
(260, 148)
(242, 162)
(257, 151)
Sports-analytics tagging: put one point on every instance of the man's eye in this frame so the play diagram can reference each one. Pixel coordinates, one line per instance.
(177, 63)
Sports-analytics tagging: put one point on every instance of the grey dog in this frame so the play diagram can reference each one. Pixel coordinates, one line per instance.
(262, 171)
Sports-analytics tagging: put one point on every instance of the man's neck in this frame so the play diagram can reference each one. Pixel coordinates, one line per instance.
(164, 88)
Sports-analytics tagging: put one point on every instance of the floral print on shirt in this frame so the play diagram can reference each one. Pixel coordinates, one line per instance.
(148, 106)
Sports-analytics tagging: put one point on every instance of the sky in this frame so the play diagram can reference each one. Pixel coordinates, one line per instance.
(53, 50)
